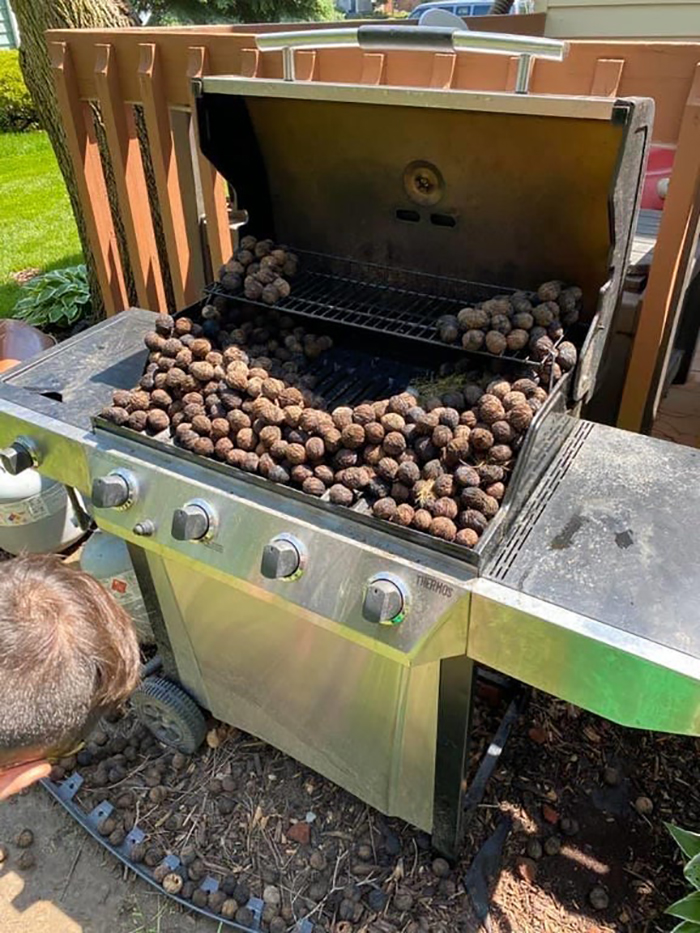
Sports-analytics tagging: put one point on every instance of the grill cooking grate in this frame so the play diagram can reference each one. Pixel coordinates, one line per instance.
(345, 377)
(379, 299)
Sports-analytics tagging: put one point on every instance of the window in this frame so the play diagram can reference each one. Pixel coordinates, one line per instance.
(464, 10)
(481, 9)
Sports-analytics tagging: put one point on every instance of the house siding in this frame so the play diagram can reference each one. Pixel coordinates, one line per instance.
(621, 19)
(9, 38)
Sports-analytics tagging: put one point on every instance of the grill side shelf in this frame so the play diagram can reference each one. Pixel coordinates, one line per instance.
(614, 543)
(70, 381)
(596, 602)
(516, 540)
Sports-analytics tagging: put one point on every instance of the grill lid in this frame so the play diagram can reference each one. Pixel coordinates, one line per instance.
(497, 188)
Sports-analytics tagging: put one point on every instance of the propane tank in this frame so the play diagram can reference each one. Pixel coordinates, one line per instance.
(36, 514)
(106, 558)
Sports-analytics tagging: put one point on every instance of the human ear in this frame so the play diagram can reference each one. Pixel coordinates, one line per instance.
(21, 776)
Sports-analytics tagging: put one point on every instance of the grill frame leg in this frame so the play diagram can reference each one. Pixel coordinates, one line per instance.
(149, 594)
(455, 704)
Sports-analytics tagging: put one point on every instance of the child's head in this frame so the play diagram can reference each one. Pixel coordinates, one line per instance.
(68, 653)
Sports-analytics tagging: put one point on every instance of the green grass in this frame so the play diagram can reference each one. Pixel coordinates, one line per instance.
(37, 228)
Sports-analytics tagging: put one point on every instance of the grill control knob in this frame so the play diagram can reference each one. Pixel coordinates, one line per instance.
(385, 602)
(111, 492)
(282, 558)
(190, 523)
(17, 458)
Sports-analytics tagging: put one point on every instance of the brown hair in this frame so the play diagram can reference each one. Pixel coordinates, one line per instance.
(68, 652)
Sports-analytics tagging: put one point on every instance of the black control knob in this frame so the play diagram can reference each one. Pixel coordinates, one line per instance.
(16, 458)
(384, 602)
(281, 558)
(190, 523)
(110, 492)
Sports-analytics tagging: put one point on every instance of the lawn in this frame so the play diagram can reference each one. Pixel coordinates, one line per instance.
(37, 228)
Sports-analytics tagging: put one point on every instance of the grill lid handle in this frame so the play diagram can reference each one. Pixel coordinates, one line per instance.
(417, 38)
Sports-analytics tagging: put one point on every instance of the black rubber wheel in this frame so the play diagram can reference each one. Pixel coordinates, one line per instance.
(170, 714)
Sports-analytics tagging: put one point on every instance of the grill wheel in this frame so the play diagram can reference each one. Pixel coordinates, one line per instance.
(170, 714)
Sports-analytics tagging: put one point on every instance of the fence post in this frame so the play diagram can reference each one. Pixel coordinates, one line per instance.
(130, 180)
(186, 268)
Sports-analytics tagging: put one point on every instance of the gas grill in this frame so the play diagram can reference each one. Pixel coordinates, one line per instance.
(399, 202)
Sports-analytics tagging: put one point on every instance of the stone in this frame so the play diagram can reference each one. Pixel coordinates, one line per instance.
(441, 868)
(376, 900)
(552, 845)
(534, 849)
(598, 898)
(299, 832)
(611, 776)
(527, 869)
(550, 814)
(644, 806)
(272, 895)
(317, 860)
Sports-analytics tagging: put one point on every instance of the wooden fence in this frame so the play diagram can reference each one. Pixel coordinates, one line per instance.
(116, 71)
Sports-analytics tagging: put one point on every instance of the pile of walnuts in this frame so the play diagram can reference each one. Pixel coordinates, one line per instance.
(260, 269)
(512, 323)
(242, 396)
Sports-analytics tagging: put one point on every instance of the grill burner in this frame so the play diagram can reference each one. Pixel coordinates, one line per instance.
(383, 300)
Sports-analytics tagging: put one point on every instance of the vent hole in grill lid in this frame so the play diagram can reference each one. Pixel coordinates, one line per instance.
(443, 220)
(411, 217)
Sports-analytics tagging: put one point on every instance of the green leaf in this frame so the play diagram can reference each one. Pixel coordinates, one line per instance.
(688, 908)
(687, 926)
(59, 297)
(689, 842)
(692, 872)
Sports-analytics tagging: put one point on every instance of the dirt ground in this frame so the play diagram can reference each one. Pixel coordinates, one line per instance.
(569, 783)
(76, 886)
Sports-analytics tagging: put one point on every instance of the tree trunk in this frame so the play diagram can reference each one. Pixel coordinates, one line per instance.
(34, 17)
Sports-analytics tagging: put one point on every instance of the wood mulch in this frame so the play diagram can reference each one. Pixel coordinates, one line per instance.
(580, 856)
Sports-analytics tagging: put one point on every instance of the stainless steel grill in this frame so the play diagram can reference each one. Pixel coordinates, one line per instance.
(301, 659)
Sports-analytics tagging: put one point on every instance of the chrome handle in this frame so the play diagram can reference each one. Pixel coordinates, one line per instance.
(417, 38)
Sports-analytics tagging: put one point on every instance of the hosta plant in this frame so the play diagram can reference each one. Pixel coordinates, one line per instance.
(57, 299)
(687, 909)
